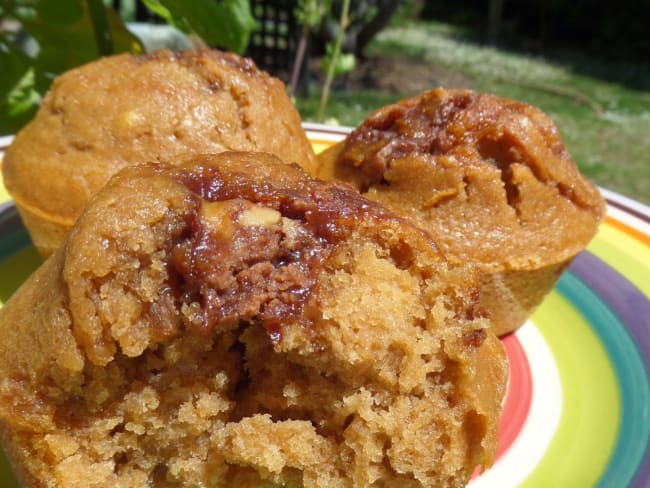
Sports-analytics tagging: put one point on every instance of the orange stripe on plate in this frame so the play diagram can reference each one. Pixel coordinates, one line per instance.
(629, 230)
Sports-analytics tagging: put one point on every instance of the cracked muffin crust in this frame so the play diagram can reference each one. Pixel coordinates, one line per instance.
(232, 322)
(490, 179)
(123, 110)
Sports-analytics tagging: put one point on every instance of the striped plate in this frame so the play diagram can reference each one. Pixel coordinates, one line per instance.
(577, 413)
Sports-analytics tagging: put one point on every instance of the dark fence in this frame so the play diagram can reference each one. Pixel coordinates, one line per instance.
(141, 14)
(272, 45)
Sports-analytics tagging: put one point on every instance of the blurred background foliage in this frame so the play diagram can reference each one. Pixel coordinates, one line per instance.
(612, 30)
(39, 39)
(585, 62)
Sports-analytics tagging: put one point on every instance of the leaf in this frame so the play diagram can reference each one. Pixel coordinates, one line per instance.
(18, 97)
(157, 8)
(343, 62)
(65, 46)
(226, 24)
(101, 30)
(23, 95)
(311, 12)
(61, 12)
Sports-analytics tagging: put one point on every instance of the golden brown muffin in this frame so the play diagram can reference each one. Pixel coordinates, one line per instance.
(231, 322)
(123, 110)
(490, 179)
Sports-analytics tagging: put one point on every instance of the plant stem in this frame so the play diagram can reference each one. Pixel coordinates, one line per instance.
(103, 37)
(343, 25)
(300, 56)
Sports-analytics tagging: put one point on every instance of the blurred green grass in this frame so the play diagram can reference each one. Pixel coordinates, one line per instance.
(601, 108)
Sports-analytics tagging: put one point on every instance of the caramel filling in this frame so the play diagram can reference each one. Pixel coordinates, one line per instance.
(242, 262)
(253, 252)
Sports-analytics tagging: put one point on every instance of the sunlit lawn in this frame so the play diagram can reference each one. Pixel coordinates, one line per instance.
(605, 124)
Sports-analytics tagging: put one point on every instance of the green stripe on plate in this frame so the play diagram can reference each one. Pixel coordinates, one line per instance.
(7, 479)
(587, 432)
(16, 270)
(633, 381)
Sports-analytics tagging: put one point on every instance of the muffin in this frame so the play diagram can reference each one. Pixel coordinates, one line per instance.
(232, 322)
(492, 181)
(123, 110)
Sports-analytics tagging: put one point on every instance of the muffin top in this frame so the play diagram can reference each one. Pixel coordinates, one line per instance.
(489, 177)
(123, 110)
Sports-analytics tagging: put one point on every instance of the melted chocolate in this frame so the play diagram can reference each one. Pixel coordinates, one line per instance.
(263, 273)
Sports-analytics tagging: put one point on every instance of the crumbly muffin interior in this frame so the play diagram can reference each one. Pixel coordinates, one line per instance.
(251, 341)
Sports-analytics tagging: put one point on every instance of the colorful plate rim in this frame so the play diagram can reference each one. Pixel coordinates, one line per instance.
(577, 411)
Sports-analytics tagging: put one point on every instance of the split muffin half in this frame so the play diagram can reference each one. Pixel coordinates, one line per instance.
(232, 322)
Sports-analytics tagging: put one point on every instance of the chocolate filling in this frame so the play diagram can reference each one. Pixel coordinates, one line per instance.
(473, 128)
(252, 251)
(414, 126)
